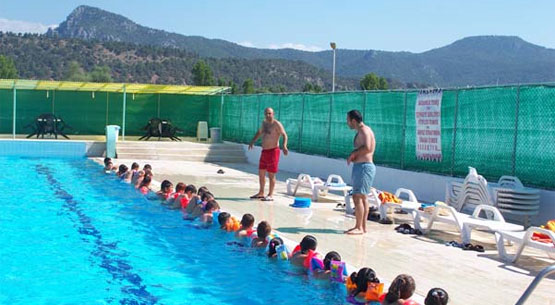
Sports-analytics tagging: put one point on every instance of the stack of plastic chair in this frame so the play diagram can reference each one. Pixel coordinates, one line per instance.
(511, 197)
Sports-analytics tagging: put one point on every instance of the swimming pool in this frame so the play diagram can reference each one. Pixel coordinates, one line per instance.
(72, 235)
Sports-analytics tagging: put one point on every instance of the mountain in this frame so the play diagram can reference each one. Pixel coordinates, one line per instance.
(43, 57)
(479, 60)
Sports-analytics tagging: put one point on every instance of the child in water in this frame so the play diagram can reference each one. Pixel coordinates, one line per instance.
(166, 189)
(211, 206)
(262, 232)
(436, 296)
(272, 247)
(325, 274)
(358, 284)
(247, 223)
(144, 187)
(306, 249)
(400, 291)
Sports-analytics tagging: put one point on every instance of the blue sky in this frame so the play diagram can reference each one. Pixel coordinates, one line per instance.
(393, 25)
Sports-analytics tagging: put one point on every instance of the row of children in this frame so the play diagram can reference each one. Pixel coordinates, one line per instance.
(140, 179)
(363, 287)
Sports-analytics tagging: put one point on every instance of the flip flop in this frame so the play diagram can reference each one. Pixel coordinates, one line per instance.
(256, 197)
(267, 198)
(350, 232)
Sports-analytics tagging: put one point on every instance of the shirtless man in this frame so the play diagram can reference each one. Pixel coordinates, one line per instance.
(271, 130)
(363, 169)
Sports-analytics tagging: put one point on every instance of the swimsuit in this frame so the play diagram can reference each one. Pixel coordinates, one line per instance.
(269, 159)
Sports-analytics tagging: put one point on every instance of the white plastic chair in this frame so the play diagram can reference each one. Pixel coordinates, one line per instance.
(317, 186)
(464, 223)
(523, 239)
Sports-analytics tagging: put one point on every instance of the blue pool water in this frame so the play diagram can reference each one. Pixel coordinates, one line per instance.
(71, 235)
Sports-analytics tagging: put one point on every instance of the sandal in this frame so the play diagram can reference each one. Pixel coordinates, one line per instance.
(267, 198)
(256, 197)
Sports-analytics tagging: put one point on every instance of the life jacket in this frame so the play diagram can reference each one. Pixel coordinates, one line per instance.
(233, 226)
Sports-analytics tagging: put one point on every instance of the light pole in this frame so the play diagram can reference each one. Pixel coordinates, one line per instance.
(332, 45)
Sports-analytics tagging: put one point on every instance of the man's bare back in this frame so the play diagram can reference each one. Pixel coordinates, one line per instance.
(364, 138)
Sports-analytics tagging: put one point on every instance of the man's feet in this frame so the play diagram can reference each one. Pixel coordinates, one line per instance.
(257, 196)
(354, 231)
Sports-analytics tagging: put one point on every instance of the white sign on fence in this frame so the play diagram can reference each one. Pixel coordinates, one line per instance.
(427, 114)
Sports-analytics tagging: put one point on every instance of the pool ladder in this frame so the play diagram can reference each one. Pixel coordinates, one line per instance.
(545, 272)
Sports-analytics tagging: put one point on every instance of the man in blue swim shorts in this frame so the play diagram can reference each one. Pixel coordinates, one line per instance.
(363, 169)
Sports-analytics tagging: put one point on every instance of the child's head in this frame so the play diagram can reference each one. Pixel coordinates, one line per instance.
(122, 169)
(274, 243)
(211, 206)
(331, 256)
(207, 196)
(436, 296)
(109, 165)
(166, 186)
(247, 221)
(202, 190)
(180, 187)
(264, 229)
(135, 166)
(106, 160)
(148, 173)
(190, 189)
(362, 278)
(147, 166)
(146, 181)
(308, 243)
(223, 218)
(402, 287)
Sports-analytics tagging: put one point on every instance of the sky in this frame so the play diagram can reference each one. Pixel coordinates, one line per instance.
(391, 25)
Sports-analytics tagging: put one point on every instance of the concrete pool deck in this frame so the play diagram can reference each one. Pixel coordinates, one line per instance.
(469, 277)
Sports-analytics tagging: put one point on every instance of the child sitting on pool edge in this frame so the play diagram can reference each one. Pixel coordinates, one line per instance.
(247, 223)
(263, 230)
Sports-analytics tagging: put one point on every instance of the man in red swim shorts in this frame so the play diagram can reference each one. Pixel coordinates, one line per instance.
(271, 130)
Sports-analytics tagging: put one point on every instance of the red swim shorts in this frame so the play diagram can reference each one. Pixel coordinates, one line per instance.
(269, 159)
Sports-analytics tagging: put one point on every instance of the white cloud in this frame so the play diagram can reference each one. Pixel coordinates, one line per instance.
(18, 26)
(288, 45)
(296, 46)
(247, 44)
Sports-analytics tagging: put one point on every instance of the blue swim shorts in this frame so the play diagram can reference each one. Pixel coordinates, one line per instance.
(363, 177)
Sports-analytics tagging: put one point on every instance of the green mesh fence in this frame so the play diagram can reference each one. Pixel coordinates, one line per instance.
(87, 113)
(506, 130)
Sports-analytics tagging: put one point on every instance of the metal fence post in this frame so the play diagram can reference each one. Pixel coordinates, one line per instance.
(404, 131)
(516, 129)
(222, 114)
(329, 125)
(123, 116)
(107, 107)
(301, 125)
(159, 105)
(258, 112)
(14, 109)
(453, 145)
(364, 105)
(241, 120)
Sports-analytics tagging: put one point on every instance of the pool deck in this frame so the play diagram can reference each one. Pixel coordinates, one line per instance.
(469, 277)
